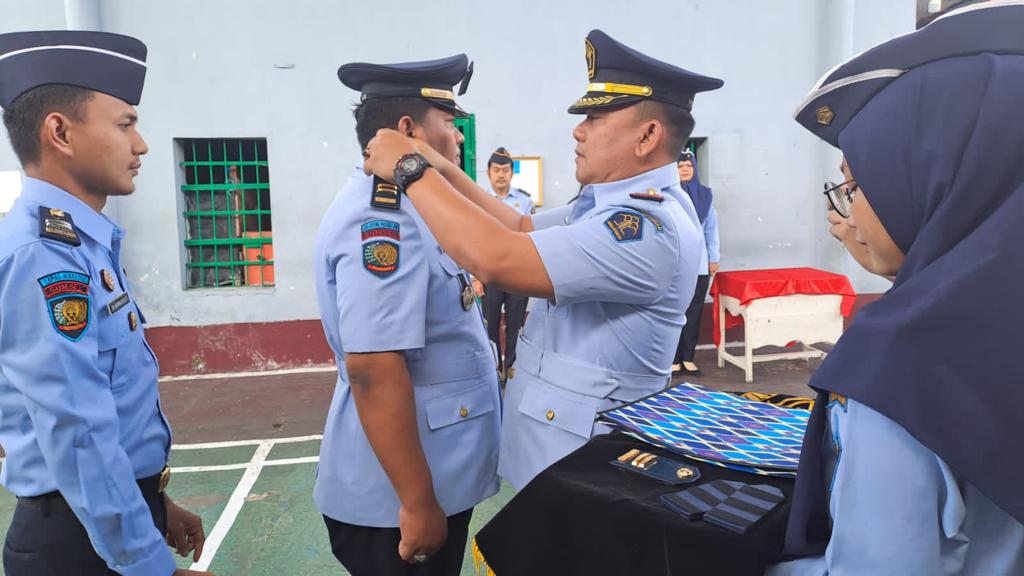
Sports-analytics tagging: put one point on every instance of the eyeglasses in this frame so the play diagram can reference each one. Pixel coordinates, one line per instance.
(840, 196)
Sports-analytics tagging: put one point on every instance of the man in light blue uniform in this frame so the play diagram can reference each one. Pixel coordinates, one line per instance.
(499, 173)
(80, 420)
(617, 266)
(411, 441)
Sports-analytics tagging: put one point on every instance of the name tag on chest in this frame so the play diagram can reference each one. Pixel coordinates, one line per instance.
(117, 303)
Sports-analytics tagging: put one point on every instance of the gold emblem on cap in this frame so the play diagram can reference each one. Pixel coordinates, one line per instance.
(108, 280)
(825, 115)
(591, 58)
(594, 101)
(436, 93)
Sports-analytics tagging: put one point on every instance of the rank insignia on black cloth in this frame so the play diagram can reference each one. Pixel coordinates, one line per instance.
(380, 258)
(56, 224)
(385, 195)
(626, 226)
(650, 194)
(67, 301)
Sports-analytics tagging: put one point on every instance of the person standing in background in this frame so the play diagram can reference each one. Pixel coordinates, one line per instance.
(701, 196)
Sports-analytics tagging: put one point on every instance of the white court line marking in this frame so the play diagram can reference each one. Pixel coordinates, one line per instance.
(222, 467)
(234, 506)
(230, 375)
(236, 443)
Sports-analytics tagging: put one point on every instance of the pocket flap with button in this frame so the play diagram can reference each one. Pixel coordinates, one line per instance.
(113, 331)
(448, 410)
(554, 406)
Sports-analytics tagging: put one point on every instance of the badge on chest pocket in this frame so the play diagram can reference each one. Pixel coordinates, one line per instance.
(466, 296)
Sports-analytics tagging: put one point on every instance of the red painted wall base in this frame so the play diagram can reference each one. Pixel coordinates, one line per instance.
(185, 350)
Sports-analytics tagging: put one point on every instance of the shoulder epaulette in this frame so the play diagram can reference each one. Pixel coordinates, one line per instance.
(651, 194)
(385, 195)
(57, 224)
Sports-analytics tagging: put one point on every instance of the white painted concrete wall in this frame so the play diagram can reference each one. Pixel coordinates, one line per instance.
(266, 68)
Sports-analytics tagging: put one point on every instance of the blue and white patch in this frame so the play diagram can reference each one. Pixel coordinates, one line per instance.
(381, 229)
(626, 226)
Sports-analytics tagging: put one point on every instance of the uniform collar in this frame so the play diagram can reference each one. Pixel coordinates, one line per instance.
(94, 224)
(511, 193)
(613, 193)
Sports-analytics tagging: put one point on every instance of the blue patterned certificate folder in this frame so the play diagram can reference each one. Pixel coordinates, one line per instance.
(717, 427)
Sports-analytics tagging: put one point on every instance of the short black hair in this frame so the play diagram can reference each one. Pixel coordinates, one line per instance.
(376, 113)
(678, 122)
(24, 117)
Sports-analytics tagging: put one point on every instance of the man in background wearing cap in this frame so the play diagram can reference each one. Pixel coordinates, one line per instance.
(80, 420)
(499, 172)
(617, 267)
(411, 440)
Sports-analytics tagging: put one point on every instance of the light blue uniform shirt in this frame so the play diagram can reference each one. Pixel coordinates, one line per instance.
(898, 509)
(623, 271)
(516, 199)
(79, 407)
(384, 284)
(709, 253)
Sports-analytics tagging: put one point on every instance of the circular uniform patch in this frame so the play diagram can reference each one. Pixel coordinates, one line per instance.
(381, 258)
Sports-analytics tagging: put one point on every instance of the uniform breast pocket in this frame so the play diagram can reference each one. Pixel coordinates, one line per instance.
(113, 337)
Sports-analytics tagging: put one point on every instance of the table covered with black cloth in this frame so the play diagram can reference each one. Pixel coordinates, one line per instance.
(585, 516)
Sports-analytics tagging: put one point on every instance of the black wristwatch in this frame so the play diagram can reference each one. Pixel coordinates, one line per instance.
(409, 169)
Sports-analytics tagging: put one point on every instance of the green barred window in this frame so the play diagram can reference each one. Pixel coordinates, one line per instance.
(468, 148)
(228, 234)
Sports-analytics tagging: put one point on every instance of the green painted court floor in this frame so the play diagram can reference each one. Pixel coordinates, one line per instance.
(255, 498)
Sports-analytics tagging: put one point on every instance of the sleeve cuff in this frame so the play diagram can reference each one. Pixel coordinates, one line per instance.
(159, 563)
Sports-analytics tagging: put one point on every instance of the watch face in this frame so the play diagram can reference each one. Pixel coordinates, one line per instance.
(410, 164)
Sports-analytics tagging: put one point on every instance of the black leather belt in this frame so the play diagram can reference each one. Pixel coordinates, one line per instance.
(151, 485)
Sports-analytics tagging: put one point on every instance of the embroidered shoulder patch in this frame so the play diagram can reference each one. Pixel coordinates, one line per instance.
(57, 224)
(380, 257)
(657, 223)
(626, 226)
(381, 229)
(385, 195)
(67, 303)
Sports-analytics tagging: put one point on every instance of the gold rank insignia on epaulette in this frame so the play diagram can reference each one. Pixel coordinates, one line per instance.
(385, 195)
(57, 224)
(650, 194)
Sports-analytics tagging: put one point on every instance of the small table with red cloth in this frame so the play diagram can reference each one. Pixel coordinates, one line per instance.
(779, 307)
